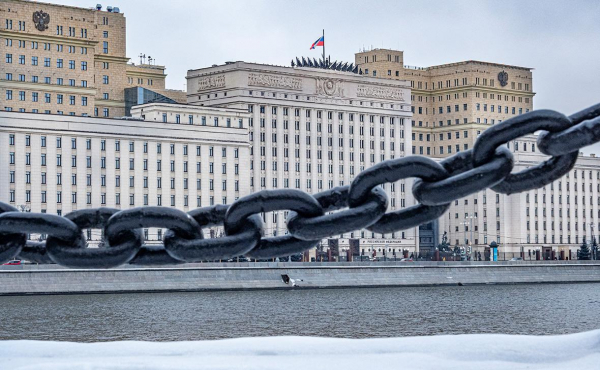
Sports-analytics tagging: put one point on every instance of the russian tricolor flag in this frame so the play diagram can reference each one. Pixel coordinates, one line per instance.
(319, 42)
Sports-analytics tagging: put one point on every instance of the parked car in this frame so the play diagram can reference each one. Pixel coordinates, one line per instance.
(406, 260)
(13, 262)
(516, 259)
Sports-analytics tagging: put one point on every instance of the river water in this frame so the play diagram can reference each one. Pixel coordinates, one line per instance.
(350, 313)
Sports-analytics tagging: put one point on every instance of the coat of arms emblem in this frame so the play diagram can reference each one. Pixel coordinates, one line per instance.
(503, 78)
(41, 20)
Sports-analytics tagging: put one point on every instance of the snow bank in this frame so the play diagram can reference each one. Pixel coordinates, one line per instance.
(478, 351)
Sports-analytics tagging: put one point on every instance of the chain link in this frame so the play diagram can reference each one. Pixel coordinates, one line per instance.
(361, 205)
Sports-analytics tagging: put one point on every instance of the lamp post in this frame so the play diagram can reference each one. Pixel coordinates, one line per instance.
(469, 220)
(592, 249)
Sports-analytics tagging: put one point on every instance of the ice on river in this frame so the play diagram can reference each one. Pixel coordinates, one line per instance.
(475, 351)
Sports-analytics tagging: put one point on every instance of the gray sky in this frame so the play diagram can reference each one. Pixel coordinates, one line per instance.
(559, 39)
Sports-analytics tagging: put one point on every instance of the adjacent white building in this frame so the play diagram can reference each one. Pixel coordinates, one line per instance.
(556, 218)
(57, 164)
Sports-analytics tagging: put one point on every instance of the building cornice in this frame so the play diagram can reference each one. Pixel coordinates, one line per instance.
(47, 38)
(298, 72)
(488, 89)
(462, 126)
(134, 73)
(324, 104)
(47, 87)
(110, 103)
(63, 124)
(110, 58)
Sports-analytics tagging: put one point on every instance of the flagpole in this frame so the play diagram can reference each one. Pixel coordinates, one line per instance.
(324, 47)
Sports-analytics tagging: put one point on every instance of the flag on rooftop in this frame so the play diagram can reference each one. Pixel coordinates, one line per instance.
(319, 42)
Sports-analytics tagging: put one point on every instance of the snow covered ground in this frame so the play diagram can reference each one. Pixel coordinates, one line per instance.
(482, 351)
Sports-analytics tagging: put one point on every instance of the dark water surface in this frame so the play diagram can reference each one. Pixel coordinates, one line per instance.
(352, 313)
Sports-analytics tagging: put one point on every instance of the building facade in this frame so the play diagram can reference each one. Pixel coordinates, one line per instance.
(556, 218)
(314, 129)
(66, 60)
(452, 104)
(58, 164)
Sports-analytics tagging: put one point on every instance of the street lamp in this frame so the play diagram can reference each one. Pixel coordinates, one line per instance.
(469, 220)
(593, 248)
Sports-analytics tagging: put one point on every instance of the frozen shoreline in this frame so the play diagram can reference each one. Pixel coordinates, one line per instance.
(476, 351)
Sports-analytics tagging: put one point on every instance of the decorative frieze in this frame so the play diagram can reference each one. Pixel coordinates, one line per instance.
(281, 82)
(210, 82)
(380, 92)
(330, 87)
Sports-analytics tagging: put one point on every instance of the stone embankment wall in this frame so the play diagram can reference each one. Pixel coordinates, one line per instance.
(52, 279)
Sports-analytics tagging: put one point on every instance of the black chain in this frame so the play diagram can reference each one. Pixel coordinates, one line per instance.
(362, 204)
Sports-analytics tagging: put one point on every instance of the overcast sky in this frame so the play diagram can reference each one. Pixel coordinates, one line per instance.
(559, 39)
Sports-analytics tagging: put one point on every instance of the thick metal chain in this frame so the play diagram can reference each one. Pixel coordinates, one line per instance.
(362, 204)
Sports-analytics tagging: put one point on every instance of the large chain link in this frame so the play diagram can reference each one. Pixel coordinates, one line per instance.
(361, 205)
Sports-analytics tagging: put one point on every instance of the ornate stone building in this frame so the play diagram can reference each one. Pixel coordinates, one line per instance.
(66, 60)
(314, 129)
(452, 104)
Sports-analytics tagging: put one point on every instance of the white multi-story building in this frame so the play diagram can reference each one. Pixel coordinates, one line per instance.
(314, 129)
(58, 164)
(557, 218)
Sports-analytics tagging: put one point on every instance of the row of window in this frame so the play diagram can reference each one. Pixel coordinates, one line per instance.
(47, 46)
(72, 31)
(105, 111)
(319, 128)
(12, 159)
(560, 240)
(297, 183)
(88, 146)
(23, 110)
(560, 213)
(313, 98)
(340, 115)
(539, 240)
(43, 181)
(47, 80)
(286, 167)
(190, 120)
(428, 137)
(478, 106)
(35, 97)
(286, 154)
(319, 141)
(427, 150)
(140, 81)
(456, 82)
(60, 63)
(12, 198)
(118, 181)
